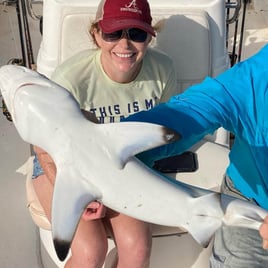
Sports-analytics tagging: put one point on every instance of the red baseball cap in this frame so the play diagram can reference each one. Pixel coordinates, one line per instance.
(114, 15)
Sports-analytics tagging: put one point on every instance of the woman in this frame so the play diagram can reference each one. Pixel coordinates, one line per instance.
(121, 77)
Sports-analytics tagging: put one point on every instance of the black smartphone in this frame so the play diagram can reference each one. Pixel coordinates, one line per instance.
(185, 162)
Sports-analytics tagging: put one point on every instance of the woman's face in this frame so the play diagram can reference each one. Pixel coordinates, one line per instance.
(122, 59)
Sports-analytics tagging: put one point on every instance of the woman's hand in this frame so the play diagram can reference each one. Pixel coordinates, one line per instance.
(95, 210)
(264, 233)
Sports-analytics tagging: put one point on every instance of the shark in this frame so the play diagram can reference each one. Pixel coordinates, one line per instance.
(97, 162)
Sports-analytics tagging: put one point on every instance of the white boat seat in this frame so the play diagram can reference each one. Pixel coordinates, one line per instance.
(35, 208)
(194, 43)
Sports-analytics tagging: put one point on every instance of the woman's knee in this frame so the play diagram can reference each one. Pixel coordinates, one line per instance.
(89, 247)
(135, 246)
(133, 239)
(87, 256)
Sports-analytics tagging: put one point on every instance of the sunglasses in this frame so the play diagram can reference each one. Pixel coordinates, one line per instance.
(133, 34)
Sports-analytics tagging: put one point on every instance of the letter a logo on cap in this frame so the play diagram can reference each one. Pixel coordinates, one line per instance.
(132, 4)
(132, 7)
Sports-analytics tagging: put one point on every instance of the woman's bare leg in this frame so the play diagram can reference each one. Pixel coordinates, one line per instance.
(133, 239)
(89, 246)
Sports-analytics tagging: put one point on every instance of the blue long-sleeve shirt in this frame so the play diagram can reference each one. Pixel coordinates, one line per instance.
(236, 100)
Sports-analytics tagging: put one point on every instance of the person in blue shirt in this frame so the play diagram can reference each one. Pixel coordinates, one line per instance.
(236, 100)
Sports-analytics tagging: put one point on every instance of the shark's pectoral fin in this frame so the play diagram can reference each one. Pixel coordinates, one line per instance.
(136, 137)
(202, 228)
(71, 196)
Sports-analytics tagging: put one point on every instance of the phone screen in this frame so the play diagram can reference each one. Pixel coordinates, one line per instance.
(185, 162)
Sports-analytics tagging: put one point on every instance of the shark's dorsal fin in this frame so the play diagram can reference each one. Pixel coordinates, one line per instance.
(136, 137)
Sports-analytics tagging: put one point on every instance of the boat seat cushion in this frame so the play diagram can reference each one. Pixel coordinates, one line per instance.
(186, 38)
(36, 210)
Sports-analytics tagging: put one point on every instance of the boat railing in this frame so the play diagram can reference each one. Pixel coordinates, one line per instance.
(31, 11)
(233, 16)
(235, 6)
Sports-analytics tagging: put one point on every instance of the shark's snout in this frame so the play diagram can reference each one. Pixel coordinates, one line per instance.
(11, 79)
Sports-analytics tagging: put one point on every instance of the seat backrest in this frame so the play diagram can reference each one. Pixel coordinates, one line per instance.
(193, 35)
(186, 38)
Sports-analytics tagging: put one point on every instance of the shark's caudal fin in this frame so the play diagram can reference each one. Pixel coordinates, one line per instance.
(68, 206)
(242, 213)
(136, 137)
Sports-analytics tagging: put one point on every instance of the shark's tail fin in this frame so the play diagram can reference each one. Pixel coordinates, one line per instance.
(242, 213)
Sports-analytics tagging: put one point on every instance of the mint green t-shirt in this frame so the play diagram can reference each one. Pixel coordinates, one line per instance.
(111, 101)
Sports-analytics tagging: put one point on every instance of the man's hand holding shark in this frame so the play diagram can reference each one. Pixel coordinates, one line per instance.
(97, 163)
(264, 232)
